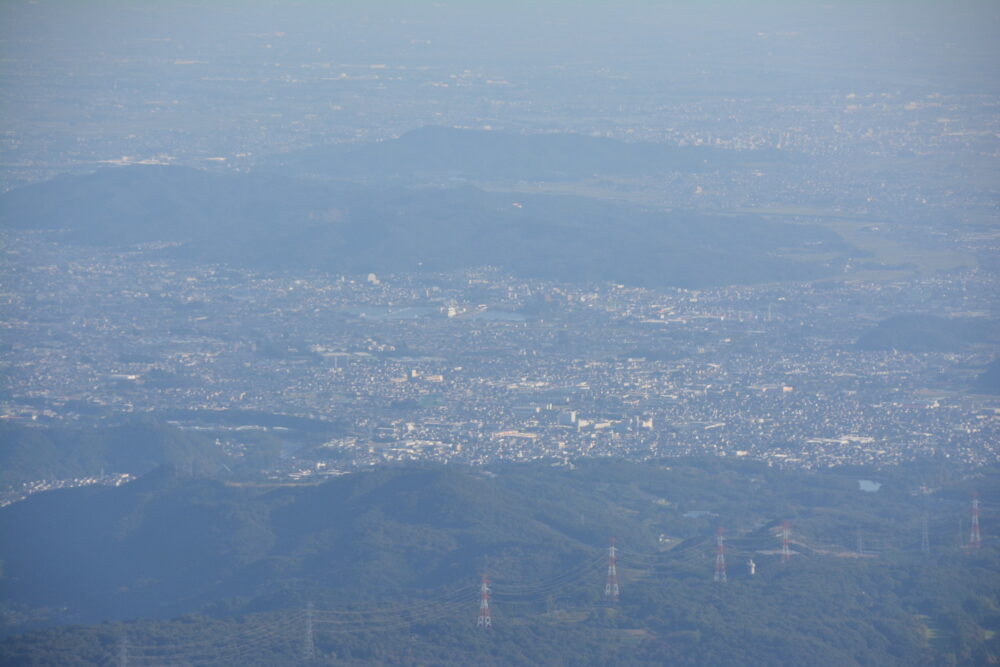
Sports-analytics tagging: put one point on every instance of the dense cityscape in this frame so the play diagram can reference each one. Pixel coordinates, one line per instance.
(478, 367)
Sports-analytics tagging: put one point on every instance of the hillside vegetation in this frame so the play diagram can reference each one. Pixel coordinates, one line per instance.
(390, 560)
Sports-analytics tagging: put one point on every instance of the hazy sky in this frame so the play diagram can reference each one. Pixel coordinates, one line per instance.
(890, 37)
(96, 80)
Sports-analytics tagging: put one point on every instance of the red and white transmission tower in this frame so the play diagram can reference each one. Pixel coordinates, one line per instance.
(720, 556)
(975, 539)
(786, 534)
(485, 620)
(611, 587)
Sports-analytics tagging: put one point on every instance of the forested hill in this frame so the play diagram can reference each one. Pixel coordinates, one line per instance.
(272, 222)
(390, 559)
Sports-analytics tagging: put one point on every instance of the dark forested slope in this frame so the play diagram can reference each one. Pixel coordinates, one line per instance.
(390, 559)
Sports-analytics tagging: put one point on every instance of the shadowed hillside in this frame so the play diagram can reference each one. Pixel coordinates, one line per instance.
(928, 333)
(390, 559)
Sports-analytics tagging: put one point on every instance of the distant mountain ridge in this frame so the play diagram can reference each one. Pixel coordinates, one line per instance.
(277, 222)
(507, 156)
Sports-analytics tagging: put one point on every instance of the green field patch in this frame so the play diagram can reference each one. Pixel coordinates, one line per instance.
(431, 400)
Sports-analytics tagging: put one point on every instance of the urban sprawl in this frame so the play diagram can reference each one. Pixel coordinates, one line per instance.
(479, 367)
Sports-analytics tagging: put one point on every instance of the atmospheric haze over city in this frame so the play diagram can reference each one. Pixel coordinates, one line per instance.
(505, 333)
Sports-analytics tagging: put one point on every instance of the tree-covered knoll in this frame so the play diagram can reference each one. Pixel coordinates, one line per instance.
(928, 333)
(988, 381)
